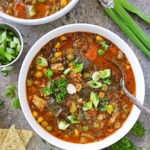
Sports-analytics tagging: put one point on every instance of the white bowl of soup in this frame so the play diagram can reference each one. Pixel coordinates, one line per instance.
(71, 95)
(35, 12)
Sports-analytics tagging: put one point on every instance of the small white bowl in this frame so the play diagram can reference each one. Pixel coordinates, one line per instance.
(43, 20)
(140, 86)
(18, 34)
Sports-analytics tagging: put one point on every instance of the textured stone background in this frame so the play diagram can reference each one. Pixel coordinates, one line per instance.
(86, 11)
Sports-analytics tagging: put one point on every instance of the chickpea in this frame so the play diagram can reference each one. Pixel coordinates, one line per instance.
(58, 45)
(53, 60)
(96, 125)
(99, 38)
(63, 38)
(38, 67)
(49, 128)
(38, 74)
(76, 132)
(40, 119)
(71, 51)
(29, 82)
(35, 114)
(58, 54)
(44, 123)
(70, 57)
(117, 125)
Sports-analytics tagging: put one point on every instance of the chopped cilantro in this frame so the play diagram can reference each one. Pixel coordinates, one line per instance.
(138, 129)
(107, 81)
(85, 128)
(72, 119)
(59, 89)
(79, 128)
(123, 144)
(16, 103)
(47, 91)
(104, 45)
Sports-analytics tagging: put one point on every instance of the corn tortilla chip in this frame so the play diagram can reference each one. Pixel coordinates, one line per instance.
(12, 141)
(25, 135)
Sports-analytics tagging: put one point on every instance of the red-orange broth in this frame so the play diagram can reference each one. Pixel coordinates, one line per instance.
(84, 111)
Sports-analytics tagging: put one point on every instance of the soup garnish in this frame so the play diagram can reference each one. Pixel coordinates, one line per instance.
(74, 93)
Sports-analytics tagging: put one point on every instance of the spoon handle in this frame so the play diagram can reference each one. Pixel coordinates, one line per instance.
(134, 99)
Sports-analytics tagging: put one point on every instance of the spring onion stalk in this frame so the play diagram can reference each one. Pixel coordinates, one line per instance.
(132, 24)
(131, 35)
(128, 6)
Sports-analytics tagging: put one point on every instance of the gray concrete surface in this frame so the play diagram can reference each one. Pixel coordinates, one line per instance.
(86, 11)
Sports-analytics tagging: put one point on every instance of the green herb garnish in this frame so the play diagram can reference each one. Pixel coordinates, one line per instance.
(78, 67)
(107, 81)
(41, 61)
(138, 129)
(94, 84)
(67, 71)
(63, 125)
(58, 88)
(123, 144)
(104, 45)
(10, 93)
(87, 106)
(49, 73)
(85, 128)
(5, 70)
(94, 99)
(88, 75)
(105, 73)
(47, 91)
(11, 87)
(72, 119)
(16, 103)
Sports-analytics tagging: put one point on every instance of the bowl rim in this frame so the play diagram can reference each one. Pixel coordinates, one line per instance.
(43, 20)
(21, 42)
(140, 87)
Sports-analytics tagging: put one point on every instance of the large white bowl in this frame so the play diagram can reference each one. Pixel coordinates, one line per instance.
(140, 87)
(43, 20)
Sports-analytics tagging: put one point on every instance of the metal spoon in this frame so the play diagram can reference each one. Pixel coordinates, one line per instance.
(128, 94)
(107, 3)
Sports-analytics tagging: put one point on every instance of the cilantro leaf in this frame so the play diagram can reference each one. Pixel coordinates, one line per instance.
(104, 45)
(138, 129)
(47, 91)
(123, 144)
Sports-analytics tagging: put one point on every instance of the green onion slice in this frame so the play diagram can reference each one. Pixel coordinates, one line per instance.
(94, 84)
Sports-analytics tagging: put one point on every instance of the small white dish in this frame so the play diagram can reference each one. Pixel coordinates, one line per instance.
(43, 20)
(18, 34)
(140, 86)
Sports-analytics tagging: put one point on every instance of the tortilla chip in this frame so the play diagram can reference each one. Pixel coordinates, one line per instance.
(25, 135)
(12, 141)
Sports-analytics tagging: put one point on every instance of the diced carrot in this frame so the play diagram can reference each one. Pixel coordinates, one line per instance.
(93, 112)
(91, 54)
